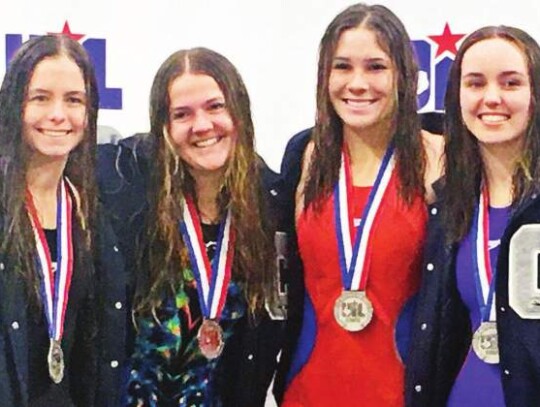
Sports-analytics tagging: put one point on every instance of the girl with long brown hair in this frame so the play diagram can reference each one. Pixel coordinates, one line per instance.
(203, 335)
(360, 215)
(49, 313)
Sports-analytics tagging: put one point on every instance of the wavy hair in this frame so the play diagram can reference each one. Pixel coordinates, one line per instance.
(463, 160)
(328, 132)
(15, 153)
(165, 252)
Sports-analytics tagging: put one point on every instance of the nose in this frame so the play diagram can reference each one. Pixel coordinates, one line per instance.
(492, 95)
(202, 122)
(357, 81)
(57, 113)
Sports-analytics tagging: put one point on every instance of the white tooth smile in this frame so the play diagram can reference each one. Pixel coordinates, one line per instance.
(493, 118)
(358, 103)
(207, 143)
(55, 133)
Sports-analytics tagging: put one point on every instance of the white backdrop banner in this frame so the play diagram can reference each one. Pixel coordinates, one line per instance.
(273, 44)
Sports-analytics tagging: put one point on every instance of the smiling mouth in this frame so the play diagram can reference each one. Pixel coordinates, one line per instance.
(490, 118)
(54, 133)
(208, 142)
(359, 102)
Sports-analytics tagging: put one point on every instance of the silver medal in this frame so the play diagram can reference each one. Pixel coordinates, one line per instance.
(353, 310)
(55, 360)
(485, 342)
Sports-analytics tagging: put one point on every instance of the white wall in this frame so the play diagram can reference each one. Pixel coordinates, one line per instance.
(273, 43)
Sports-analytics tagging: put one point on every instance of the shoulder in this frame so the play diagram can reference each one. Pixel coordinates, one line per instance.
(126, 159)
(292, 158)
(433, 145)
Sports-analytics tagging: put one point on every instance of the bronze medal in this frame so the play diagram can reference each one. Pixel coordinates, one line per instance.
(55, 361)
(210, 338)
(485, 342)
(353, 310)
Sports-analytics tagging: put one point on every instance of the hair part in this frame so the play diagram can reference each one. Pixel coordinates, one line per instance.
(328, 132)
(165, 254)
(15, 152)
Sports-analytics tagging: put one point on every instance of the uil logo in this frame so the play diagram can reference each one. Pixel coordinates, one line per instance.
(110, 98)
(435, 57)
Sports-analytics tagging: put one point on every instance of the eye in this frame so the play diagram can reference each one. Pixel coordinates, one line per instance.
(341, 66)
(179, 115)
(473, 83)
(216, 106)
(377, 66)
(75, 100)
(511, 83)
(38, 98)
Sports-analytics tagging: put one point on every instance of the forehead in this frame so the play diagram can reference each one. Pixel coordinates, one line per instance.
(57, 72)
(494, 55)
(194, 87)
(359, 42)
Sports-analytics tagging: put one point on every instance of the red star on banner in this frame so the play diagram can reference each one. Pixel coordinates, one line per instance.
(446, 41)
(67, 32)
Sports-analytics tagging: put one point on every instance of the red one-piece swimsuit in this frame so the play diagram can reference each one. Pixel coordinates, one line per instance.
(358, 368)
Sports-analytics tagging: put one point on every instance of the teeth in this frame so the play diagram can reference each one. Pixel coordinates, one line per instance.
(55, 133)
(493, 118)
(207, 143)
(358, 103)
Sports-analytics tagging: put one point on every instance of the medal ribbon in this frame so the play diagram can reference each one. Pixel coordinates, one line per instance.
(54, 288)
(353, 259)
(483, 274)
(212, 277)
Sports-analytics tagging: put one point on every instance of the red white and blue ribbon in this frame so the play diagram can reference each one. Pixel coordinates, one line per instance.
(55, 286)
(483, 273)
(212, 277)
(354, 259)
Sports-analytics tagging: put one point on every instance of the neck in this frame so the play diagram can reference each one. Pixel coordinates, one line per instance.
(366, 149)
(207, 188)
(499, 166)
(373, 140)
(42, 179)
(43, 176)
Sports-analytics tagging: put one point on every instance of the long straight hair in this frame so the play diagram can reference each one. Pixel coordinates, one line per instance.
(328, 132)
(17, 236)
(165, 252)
(465, 168)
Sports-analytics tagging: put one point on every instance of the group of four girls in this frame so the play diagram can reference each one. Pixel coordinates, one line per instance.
(166, 290)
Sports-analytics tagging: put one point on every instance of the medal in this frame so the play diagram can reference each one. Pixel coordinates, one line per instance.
(55, 360)
(353, 310)
(210, 338)
(212, 277)
(54, 284)
(485, 342)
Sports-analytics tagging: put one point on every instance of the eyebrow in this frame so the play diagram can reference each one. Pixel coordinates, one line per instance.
(208, 101)
(369, 59)
(504, 73)
(71, 92)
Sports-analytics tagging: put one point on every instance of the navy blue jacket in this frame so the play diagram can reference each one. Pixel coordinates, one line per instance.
(109, 351)
(249, 359)
(442, 332)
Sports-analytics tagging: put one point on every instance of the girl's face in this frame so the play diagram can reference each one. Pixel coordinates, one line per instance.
(201, 128)
(362, 81)
(495, 92)
(54, 114)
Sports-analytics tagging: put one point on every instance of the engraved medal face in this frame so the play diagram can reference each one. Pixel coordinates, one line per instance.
(485, 342)
(55, 361)
(210, 338)
(353, 310)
